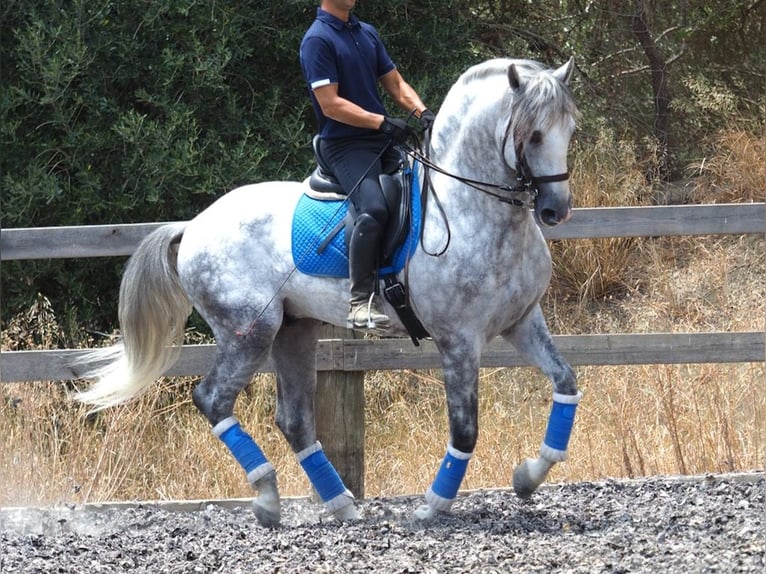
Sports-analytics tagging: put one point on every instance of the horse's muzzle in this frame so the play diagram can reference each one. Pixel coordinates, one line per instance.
(550, 217)
(553, 212)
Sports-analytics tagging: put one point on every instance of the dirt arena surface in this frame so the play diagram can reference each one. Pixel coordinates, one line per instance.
(715, 523)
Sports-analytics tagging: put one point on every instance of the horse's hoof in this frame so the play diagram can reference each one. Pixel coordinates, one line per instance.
(425, 513)
(267, 513)
(348, 513)
(524, 483)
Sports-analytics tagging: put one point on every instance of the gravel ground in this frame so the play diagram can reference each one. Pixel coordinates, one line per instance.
(707, 524)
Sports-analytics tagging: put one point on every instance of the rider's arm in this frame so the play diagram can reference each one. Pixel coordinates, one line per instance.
(401, 92)
(343, 110)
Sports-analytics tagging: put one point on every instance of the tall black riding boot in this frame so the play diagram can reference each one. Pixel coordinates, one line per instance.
(363, 251)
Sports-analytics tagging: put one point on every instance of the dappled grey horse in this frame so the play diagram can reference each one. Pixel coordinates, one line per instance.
(480, 270)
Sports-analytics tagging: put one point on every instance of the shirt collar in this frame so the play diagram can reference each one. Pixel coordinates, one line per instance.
(336, 22)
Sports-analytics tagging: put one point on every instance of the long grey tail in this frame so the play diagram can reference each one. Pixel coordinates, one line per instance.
(153, 309)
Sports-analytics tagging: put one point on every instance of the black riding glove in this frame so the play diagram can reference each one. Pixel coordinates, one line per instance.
(397, 130)
(427, 119)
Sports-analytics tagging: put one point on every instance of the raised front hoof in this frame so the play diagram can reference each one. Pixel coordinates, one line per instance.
(524, 483)
(425, 513)
(268, 514)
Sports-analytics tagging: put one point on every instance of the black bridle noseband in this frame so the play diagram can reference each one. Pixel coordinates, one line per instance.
(525, 177)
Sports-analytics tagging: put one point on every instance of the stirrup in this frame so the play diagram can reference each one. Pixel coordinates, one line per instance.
(373, 318)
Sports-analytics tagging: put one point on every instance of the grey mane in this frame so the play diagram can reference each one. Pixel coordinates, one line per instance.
(540, 103)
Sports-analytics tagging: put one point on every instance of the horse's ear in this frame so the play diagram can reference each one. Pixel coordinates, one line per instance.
(564, 73)
(513, 77)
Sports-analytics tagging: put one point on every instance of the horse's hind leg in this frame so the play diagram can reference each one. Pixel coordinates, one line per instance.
(294, 354)
(237, 360)
(533, 341)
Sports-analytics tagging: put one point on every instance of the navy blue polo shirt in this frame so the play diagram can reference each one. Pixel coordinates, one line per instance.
(351, 55)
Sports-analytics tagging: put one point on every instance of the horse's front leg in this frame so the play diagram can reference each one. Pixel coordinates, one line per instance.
(461, 379)
(534, 342)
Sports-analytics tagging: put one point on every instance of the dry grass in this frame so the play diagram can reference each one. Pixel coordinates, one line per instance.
(633, 421)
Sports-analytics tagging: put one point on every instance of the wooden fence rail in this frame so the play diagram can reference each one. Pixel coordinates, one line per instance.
(597, 222)
(342, 361)
(355, 355)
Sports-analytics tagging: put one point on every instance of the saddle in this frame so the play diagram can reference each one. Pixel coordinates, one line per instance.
(319, 248)
(396, 184)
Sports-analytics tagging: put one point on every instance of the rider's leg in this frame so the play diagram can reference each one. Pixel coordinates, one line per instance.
(363, 254)
(357, 164)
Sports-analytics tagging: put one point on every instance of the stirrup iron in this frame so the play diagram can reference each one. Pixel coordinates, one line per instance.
(351, 321)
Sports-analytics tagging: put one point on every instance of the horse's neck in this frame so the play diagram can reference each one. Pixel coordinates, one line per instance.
(467, 211)
(469, 144)
(469, 141)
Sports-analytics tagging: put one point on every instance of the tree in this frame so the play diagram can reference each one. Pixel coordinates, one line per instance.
(135, 111)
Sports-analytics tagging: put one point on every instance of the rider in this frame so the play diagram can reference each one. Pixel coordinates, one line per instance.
(343, 59)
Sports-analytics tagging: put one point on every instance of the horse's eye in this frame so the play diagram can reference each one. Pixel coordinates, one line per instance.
(537, 137)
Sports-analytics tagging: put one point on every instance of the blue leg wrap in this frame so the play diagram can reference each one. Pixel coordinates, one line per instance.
(451, 473)
(561, 421)
(243, 447)
(322, 474)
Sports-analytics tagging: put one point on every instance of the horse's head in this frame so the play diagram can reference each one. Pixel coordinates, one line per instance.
(542, 122)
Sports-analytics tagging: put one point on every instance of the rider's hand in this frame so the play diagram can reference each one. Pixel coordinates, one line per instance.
(427, 119)
(397, 130)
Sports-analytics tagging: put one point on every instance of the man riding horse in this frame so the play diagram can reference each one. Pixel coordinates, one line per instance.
(343, 60)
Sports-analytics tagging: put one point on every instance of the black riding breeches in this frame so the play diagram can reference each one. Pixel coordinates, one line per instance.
(355, 159)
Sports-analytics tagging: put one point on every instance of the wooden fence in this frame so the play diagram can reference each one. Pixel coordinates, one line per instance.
(342, 361)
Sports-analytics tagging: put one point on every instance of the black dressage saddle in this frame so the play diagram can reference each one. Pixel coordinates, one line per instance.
(396, 185)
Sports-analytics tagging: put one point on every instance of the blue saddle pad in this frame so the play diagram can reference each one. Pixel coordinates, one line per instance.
(315, 219)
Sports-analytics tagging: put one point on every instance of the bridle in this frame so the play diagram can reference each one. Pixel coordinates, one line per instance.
(526, 183)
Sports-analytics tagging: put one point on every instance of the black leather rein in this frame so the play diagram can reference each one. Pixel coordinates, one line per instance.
(525, 183)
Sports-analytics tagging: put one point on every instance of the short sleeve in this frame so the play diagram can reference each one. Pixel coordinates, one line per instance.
(318, 63)
(384, 62)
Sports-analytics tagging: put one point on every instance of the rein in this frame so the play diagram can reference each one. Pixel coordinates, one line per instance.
(526, 183)
(523, 184)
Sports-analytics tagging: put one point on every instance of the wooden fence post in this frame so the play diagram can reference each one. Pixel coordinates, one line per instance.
(339, 409)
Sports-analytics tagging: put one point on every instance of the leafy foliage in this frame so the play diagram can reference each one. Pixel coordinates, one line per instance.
(139, 111)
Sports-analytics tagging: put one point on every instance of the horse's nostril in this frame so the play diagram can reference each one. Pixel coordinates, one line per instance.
(549, 217)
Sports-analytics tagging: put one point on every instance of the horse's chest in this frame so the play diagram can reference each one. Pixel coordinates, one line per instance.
(483, 284)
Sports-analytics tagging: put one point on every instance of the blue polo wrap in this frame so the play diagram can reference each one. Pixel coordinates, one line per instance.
(451, 473)
(561, 421)
(243, 447)
(322, 474)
